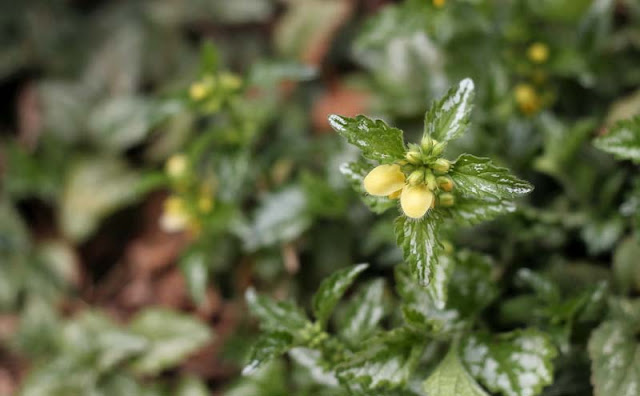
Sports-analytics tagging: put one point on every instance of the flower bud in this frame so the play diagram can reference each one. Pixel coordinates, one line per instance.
(426, 143)
(230, 81)
(384, 180)
(445, 183)
(416, 177)
(446, 199)
(438, 148)
(416, 200)
(176, 165)
(441, 165)
(414, 157)
(431, 181)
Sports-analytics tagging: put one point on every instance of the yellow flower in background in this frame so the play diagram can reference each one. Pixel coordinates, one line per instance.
(205, 200)
(439, 3)
(175, 217)
(177, 165)
(384, 180)
(527, 98)
(201, 89)
(230, 81)
(538, 52)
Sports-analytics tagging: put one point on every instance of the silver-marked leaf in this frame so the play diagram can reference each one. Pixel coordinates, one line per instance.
(471, 287)
(478, 178)
(268, 347)
(355, 172)
(517, 363)
(448, 118)
(420, 245)
(377, 140)
(419, 309)
(615, 359)
(274, 316)
(385, 362)
(312, 360)
(451, 378)
(623, 140)
(471, 211)
(363, 312)
(331, 290)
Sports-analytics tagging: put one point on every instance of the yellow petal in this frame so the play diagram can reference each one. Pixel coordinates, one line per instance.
(395, 195)
(416, 200)
(384, 180)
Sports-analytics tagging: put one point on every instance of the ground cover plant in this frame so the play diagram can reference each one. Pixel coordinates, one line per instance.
(327, 197)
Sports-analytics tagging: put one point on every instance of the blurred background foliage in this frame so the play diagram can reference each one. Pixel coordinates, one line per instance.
(159, 157)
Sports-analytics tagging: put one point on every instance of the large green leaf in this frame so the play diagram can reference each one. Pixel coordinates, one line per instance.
(448, 118)
(451, 378)
(331, 290)
(615, 359)
(623, 140)
(384, 362)
(478, 177)
(355, 172)
(516, 363)
(171, 336)
(363, 312)
(269, 346)
(472, 287)
(420, 244)
(377, 140)
(471, 211)
(276, 316)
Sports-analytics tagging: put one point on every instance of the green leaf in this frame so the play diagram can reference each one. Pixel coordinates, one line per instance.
(472, 211)
(448, 118)
(191, 386)
(615, 359)
(355, 172)
(623, 140)
(172, 336)
(331, 290)
(195, 269)
(419, 309)
(451, 378)
(377, 140)
(276, 316)
(472, 287)
(384, 362)
(478, 177)
(363, 313)
(420, 245)
(268, 347)
(517, 363)
(268, 380)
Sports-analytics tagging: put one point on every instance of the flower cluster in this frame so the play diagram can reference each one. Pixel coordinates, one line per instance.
(213, 90)
(526, 95)
(420, 181)
(190, 201)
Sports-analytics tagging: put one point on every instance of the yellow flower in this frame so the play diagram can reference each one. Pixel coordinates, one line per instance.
(416, 200)
(201, 89)
(384, 180)
(538, 52)
(176, 165)
(527, 98)
(230, 81)
(174, 217)
(439, 3)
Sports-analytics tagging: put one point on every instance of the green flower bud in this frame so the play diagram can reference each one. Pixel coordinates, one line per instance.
(431, 181)
(441, 165)
(438, 149)
(426, 143)
(416, 177)
(445, 183)
(414, 157)
(446, 199)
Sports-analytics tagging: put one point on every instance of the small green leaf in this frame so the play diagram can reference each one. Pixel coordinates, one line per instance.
(419, 309)
(172, 337)
(385, 362)
(623, 140)
(363, 313)
(355, 172)
(615, 359)
(451, 378)
(471, 211)
(268, 347)
(516, 363)
(377, 140)
(276, 316)
(478, 177)
(448, 118)
(420, 245)
(331, 290)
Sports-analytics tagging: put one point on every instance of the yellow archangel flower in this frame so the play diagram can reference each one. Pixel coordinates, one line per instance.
(538, 52)
(175, 217)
